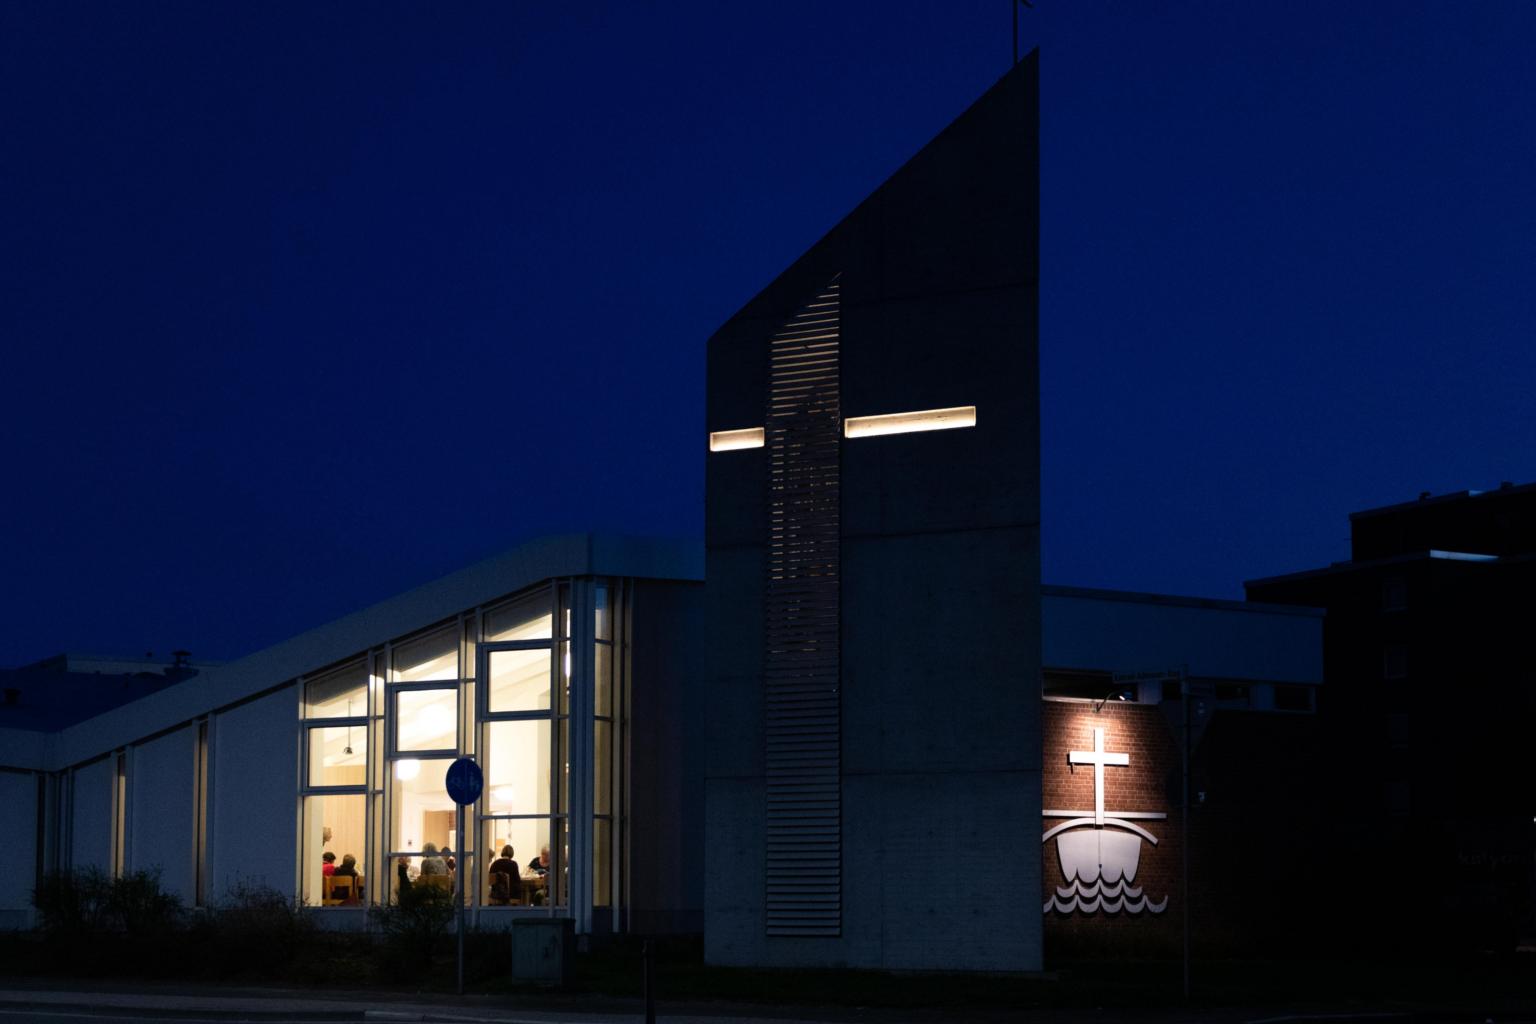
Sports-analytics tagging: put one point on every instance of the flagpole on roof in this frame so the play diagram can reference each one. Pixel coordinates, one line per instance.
(1015, 5)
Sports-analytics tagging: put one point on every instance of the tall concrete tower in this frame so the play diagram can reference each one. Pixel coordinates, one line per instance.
(872, 792)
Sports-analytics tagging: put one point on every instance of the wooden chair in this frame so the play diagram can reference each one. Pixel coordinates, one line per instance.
(505, 890)
(336, 890)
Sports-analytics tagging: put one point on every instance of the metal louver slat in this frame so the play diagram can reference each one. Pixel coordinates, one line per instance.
(803, 889)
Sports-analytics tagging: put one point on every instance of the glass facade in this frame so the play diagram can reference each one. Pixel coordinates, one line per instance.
(534, 688)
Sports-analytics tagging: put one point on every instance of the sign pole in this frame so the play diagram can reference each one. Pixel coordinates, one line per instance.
(464, 782)
(1186, 697)
(459, 867)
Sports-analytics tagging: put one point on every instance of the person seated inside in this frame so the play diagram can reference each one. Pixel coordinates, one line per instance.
(504, 876)
(348, 869)
(540, 864)
(328, 863)
(403, 872)
(431, 863)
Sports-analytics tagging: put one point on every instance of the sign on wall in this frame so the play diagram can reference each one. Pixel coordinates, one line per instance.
(1100, 850)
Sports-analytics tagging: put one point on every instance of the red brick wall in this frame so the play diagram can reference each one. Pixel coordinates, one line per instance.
(1255, 837)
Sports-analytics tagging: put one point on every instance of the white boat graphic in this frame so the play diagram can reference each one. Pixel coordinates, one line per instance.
(1099, 852)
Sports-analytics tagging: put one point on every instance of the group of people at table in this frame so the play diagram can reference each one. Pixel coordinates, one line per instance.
(342, 883)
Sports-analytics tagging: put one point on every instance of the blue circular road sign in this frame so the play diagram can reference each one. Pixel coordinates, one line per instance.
(464, 781)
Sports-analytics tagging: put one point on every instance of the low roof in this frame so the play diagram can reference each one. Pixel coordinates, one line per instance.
(514, 570)
(1121, 631)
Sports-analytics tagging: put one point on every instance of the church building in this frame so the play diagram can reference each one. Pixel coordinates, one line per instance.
(849, 729)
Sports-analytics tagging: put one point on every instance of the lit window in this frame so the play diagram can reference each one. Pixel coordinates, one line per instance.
(910, 422)
(427, 719)
(731, 440)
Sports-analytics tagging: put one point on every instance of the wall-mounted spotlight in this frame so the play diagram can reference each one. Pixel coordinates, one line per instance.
(1116, 693)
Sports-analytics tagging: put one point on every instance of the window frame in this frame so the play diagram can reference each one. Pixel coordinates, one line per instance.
(556, 820)
(392, 719)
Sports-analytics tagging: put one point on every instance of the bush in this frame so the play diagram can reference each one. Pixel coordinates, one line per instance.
(412, 928)
(74, 902)
(254, 927)
(141, 908)
(87, 903)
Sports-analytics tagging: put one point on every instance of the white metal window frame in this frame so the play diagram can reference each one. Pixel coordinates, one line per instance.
(558, 815)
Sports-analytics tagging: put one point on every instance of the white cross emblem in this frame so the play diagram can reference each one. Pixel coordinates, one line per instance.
(1098, 758)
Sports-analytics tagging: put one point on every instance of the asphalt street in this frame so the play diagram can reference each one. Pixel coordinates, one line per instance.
(211, 1006)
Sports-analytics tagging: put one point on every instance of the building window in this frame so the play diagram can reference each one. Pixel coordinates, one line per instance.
(377, 735)
(342, 693)
(334, 786)
(426, 719)
(335, 838)
(524, 715)
(422, 841)
(1394, 662)
(607, 746)
(119, 814)
(200, 803)
(1394, 594)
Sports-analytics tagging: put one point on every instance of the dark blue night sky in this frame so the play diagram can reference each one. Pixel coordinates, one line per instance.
(302, 305)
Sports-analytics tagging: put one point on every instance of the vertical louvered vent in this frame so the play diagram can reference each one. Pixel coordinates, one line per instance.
(804, 868)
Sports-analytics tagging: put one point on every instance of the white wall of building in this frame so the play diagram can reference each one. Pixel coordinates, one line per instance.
(18, 823)
(161, 789)
(90, 824)
(1116, 631)
(255, 784)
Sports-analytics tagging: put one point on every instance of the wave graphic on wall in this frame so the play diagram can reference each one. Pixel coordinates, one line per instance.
(1100, 865)
(1090, 899)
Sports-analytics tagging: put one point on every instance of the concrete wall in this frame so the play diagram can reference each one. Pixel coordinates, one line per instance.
(18, 823)
(255, 786)
(161, 789)
(940, 627)
(90, 826)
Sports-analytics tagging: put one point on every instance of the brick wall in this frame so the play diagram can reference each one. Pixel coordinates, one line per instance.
(1258, 837)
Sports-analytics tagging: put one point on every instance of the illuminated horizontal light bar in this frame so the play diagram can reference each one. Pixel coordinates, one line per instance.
(910, 422)
(730, 440)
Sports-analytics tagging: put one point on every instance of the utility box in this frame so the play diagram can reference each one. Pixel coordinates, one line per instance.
(542, 949)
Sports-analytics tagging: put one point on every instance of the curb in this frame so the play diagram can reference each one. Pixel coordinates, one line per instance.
(181, 1013)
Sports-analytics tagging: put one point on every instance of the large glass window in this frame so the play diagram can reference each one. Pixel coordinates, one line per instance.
(527, 618)
(427, 719)
(335, 838)
(334, 808)
(433, 656)
(378, 734)
(423, 812)
(519, 756)
(605, 745)
(338, 755)
(342, 693)
(527, 871)
(522, 744)
(519, 680)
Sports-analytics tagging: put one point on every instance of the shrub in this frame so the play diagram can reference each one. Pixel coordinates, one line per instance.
(412, 928)
(70, 903)
(141, 908)
(254, 927)
(88, 903)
